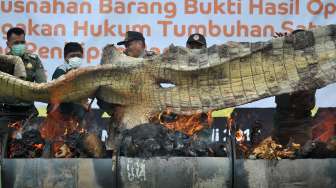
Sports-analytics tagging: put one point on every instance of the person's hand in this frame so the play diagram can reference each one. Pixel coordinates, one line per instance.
(280, 34)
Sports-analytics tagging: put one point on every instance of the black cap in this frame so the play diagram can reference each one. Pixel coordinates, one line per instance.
(72, 47)
(132, 35)
(196, 37)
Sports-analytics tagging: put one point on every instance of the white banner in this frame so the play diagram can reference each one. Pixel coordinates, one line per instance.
(95, 23)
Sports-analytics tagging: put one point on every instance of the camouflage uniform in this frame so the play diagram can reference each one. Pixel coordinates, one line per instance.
(11, 109)
(34, 68)
(292, 119)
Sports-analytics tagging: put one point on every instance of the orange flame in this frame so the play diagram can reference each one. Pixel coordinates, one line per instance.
(187, 124)
(325, 129)
(56, 126)
(38, 146)
(240, 136)
(15, 125)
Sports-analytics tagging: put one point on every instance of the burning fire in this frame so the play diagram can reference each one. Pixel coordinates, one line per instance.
(240, 136)
(16, 125)
(55, 127)
(38, 146)
(188, 125)
(325, 129)
(24, 143)
(59, 135)
(269, 149)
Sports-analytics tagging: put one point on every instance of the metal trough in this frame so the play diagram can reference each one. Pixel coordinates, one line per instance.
(173, 172)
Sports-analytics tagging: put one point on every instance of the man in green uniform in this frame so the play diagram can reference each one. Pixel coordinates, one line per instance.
(34, 68)
(135, 46)
(12, 110)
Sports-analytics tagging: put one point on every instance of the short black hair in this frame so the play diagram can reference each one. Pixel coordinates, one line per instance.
(72, 47)
(16, 31)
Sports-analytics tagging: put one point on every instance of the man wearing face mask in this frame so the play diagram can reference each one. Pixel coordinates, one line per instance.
(17, 44)
(12, 110)
(73, 56)
(196, 41)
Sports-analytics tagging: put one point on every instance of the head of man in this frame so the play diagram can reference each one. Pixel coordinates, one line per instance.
(196, 41)
(134, 43)
(16, 41)
(73, 54)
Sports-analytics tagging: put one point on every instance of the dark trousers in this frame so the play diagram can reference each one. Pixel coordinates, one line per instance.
(296, 129)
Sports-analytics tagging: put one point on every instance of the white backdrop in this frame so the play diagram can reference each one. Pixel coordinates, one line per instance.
(95, 23)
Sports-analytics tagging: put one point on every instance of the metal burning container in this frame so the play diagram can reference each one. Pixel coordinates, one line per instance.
(169, 171)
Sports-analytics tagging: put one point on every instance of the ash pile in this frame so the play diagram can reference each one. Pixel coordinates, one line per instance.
(270, 149)
(150, 140)
(54, 137)
(167, 135)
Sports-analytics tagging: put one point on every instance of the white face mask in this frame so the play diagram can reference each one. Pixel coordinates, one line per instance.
(75, 62)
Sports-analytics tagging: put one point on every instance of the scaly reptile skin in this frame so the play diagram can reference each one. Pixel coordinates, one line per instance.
(214, 78)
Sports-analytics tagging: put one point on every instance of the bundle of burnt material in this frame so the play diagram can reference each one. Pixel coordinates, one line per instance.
(73, 145)
(270, 149)
(80, 145)
(149, 140)
(30, 145)
(318, 149)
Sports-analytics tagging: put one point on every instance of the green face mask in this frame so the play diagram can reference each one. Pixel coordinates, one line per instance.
(18, 49)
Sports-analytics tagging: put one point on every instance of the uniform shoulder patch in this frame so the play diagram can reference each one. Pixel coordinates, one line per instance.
(29, 66)
(34, 56)
(34, 59)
